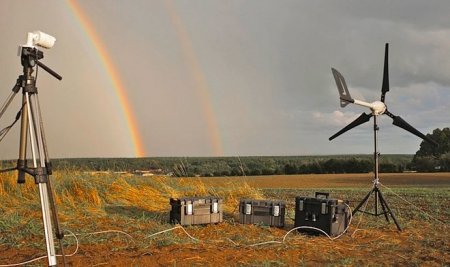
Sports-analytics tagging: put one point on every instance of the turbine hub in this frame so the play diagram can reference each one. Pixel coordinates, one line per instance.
(378, 108)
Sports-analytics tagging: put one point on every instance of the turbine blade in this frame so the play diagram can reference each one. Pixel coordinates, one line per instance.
(385, 86)
(360, 120)
(344, 94)
(399, 122)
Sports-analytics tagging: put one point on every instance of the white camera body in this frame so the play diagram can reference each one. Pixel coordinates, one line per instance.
(40, 39)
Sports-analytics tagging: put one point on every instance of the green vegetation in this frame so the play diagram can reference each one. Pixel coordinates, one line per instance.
(236, 166)
(431, 158)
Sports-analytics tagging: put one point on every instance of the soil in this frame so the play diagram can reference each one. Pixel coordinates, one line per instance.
(422, 242)
(336, 180)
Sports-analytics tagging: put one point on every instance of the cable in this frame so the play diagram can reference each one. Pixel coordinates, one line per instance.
(43, 257)
(78, 244)
(413, 205)
(37, 65)
(360, 218)
(9, 99)
(184, 230)
(73, 253)
(171, 229)
(308, 227)
(190, 236)
(108, 231)
(8, 170)
(5, 130)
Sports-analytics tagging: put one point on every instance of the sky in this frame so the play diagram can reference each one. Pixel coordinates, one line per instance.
(156, 78)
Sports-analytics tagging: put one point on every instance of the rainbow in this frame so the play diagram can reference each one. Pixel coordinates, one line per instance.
(112, 72)
(201, 87)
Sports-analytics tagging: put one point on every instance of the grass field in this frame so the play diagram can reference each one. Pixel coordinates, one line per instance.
(97, 207)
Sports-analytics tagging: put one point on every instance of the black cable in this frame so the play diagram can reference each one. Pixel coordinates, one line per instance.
(37, 66)
(8, 170)
(5, 130)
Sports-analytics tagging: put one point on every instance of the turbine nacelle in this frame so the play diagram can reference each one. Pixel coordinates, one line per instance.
(376, 107)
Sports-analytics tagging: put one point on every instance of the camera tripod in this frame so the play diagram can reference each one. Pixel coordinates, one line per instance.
(32, 131)
(375, 189)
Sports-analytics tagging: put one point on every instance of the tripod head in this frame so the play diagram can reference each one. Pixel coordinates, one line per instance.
(30, 56)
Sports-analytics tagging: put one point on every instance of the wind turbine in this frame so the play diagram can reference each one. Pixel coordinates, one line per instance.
(377, 108)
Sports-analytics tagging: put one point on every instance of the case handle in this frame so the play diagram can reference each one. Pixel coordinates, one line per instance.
(324, 195)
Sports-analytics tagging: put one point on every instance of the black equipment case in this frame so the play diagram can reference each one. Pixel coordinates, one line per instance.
(196, 210)
(330, 215)
(266, 212)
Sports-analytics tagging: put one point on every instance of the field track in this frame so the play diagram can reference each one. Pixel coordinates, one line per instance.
(335, 180)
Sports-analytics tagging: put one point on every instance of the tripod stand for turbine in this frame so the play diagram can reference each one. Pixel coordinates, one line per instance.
(375, 189)
(32, 130)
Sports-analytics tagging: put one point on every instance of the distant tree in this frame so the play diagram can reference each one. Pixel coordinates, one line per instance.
(425, 164)
(388, 167)
(290, 169)
(315, 168)
(433, 158)
(445, 162)
(442, 137)
(332, 166)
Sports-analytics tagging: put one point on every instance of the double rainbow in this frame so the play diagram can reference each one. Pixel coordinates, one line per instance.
(201, 86)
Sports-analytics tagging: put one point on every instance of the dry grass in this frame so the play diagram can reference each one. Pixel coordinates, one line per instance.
(76, 189)
(139, 206)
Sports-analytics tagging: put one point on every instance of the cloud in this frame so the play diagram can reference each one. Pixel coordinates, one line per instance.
(335, 118)
(267, 65)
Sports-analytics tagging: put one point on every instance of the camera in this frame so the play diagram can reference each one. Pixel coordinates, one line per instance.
(40, 39)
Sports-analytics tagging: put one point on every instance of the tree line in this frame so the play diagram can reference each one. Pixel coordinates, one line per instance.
(428, 158)
(236, 166)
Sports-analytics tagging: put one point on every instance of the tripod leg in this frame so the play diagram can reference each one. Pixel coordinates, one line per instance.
(390, 212)
(376, 201)
(41, 177)
(59, 232)
(47, 225)
(21, 162)
(383, 206)
(7, 102)
(366, 198)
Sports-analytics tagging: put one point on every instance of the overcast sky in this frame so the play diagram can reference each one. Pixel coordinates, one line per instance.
(263, 67)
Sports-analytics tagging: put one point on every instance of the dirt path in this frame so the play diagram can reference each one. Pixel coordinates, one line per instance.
(335, 180)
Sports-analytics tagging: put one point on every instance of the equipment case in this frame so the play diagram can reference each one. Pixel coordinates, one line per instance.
(330, 215)
(196, 210)
(266, 212)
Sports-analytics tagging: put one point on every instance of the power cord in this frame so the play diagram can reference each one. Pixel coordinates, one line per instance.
(360, 219)
(190, 236)
(5, 130)
(76, 249)
(308, 227)
(412, 204)
(171, 229)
